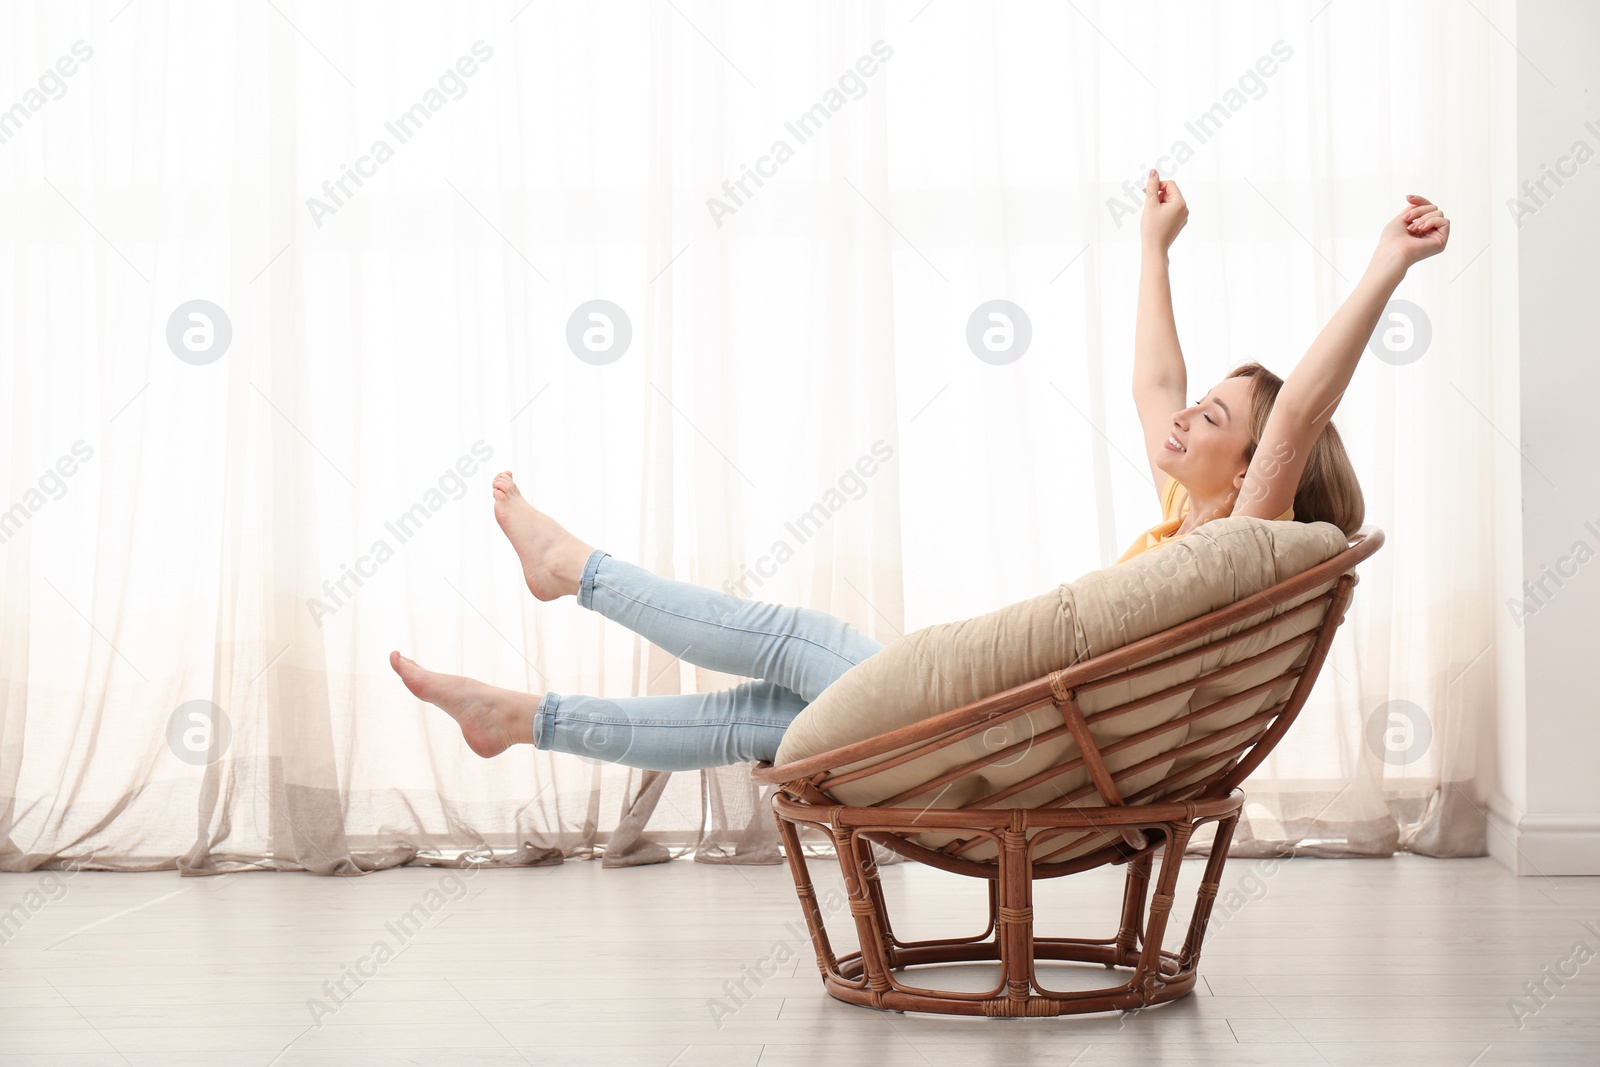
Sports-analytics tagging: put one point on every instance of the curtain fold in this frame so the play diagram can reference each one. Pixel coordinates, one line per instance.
(795, 218)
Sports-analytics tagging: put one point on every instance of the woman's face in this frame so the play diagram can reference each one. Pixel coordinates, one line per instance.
(1213, 432)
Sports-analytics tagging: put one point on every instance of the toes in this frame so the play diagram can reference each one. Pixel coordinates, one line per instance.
(411, 673)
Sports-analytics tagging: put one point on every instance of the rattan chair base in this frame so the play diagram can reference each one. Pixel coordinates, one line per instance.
(878, 975)
(850, 987)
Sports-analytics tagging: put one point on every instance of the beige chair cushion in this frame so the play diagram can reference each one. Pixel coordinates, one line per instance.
(947, 665)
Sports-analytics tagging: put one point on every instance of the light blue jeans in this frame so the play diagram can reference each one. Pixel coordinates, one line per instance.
(795, 653)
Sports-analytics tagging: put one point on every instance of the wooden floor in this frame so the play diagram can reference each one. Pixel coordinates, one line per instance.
(1397, 961)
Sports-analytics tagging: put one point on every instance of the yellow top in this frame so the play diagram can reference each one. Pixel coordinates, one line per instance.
(1174, 509)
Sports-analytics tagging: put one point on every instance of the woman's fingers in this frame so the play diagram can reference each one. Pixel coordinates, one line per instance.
(1426, 221)
(1163, 189)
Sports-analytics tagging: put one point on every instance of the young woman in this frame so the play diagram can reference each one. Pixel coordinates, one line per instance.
(1255, 445)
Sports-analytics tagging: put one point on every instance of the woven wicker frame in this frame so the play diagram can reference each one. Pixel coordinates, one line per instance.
(1160, 818)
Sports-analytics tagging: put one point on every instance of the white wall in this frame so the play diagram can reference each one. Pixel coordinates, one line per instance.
(1545, 813)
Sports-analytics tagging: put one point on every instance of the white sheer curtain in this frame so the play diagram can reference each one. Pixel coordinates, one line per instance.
(797, 209)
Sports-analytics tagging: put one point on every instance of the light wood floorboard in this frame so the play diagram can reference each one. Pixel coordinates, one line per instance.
(1338, 962)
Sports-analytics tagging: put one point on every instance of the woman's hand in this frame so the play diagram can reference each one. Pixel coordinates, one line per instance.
(1418, 232)
(1164, 213)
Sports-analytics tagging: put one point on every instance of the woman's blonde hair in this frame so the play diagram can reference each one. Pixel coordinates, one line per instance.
(1328, 489)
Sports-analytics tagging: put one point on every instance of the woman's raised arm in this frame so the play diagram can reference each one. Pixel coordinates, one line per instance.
(1160, 378)
(1313, 389)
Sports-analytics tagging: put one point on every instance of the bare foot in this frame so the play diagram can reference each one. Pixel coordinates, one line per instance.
(552, 559)
(491, 719)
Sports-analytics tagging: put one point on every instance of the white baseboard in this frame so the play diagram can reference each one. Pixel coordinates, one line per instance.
(1543, 844)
